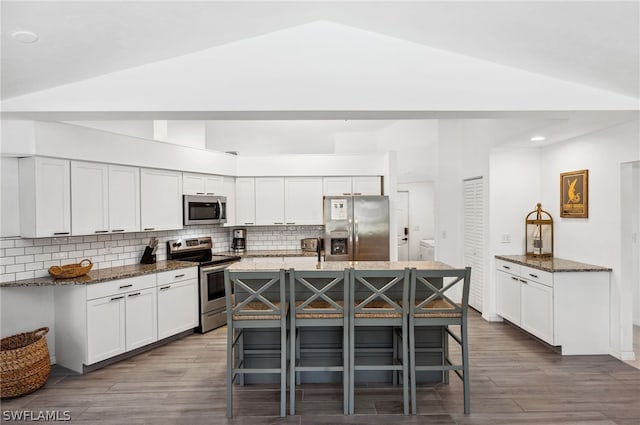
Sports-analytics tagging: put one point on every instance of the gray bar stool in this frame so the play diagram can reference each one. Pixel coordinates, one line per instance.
(258, 302)
(432, 304)
(379, 298)
(319, 301)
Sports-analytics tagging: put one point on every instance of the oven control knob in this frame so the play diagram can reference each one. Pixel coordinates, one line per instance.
(177, 244)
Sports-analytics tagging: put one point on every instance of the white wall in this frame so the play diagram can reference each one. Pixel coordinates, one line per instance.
(142, 129)
(598, 239)
(18, 137)
(421, 214)
(635, 247)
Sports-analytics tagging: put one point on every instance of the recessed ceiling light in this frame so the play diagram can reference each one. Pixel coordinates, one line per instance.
(24, 36)
(537, 138)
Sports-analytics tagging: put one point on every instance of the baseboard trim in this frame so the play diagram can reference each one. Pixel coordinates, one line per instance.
(623, 355)
(492, 318)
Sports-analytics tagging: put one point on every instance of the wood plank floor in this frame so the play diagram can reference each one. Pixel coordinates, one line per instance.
(514, 380)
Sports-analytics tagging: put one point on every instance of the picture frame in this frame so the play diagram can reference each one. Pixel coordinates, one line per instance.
(574, 194)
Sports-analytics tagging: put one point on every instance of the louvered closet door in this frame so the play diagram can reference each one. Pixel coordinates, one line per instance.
(474, 238)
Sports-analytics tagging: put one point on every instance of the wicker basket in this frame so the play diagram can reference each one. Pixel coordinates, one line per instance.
(24, 363)
(71, 270)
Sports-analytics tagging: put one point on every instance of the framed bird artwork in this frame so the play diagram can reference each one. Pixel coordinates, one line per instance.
(574, 194)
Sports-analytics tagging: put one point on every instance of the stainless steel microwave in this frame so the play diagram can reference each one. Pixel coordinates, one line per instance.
(200, 209)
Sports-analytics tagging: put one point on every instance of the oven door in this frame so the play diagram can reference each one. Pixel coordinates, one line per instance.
(212, 296)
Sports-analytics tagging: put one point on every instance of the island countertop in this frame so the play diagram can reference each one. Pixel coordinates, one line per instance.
(274, 253)
(103, 275)
(553, 264)
(278, 264)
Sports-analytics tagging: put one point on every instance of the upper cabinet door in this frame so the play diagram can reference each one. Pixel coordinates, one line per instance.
(336, 186)
(124, 199)
(161, 199)
(229, 190)
(89, 198)
(45, 197)
(270, 200)
(303, 200)
(245, 200)
(369, 185)
(213, 185)
(192, 184)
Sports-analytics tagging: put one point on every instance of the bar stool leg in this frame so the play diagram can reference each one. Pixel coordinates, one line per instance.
(351, 367)
(241, 356)
(346, 370)
(283, 368)
(445, 353)
(229, 370)
(412, 365)
(292, 367)
(465, 367)
(405, 371)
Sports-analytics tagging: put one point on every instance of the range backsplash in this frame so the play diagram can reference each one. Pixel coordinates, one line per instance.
(27, 258)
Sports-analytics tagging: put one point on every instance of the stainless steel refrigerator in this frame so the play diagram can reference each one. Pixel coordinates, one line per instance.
(356, 228)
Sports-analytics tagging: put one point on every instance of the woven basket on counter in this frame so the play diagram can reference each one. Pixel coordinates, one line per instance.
(71, 270)
(24, 363)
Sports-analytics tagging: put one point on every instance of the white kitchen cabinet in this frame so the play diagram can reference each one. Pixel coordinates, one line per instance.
(104, 198)
(366, 185)
(229, 190)
(537, 310)
(161, 199)
(568, 307)
(201, 184)
(141, 318)
(177, 305)
(89, 198)
(508, 296)
(245, 200)
(358, 185)
(45, 197)
(269, 200)
(303, 204)
(124, 199)
(106, 328)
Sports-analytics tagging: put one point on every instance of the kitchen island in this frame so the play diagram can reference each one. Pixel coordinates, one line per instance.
(330, 338)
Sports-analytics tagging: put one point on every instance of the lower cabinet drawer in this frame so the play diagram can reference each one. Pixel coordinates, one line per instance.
(539, 276)
(120, 286)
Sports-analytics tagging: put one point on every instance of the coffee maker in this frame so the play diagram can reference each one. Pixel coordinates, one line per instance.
(239, 241)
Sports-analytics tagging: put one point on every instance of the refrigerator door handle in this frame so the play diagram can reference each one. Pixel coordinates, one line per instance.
(350, 247)
(355, 230)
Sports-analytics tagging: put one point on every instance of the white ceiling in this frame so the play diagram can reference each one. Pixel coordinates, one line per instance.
(591, 43)
(594, 43)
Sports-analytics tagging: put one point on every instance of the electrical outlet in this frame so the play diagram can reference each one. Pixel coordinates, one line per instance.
(416, 228)
(60, 240)
(108, 246)
(506, 238)
(444, 234)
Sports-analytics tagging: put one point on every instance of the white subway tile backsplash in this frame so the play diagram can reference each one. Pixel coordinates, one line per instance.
(15, 268)
(25, 275)
(59, 256)
(40, 254)
(23, 242)
(42, 257)
(7, 243)
(12, 252)
(33, 250)
(22, 259)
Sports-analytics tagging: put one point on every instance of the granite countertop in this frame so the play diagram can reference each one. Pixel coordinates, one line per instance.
(553, 264)
(103, 275)
(275, 253)
(339, 265)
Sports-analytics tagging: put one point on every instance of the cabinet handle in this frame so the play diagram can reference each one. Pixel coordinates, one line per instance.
(61, 233)
(211, 193)
(523, 281)
(178, 276)
(134, 295)
(101, 231)
(514, 278)
(346, 193)
(357, 193)
(278, 222)
(118, 230)
(535, 276)
(117, 298)
(507, 267)
(126, 286)
(165, 287)
(199, 193)
(249, 223)
(149, 228)
(291, 222)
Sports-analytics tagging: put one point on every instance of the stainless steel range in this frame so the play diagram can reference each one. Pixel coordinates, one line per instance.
(212, 297)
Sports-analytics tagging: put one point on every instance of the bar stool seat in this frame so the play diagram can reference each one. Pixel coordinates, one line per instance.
(319, 301)
(431, 304)
(255, 300)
